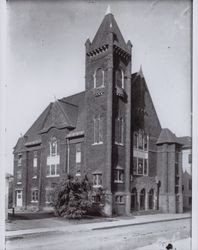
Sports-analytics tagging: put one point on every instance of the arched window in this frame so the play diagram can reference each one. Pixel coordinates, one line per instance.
(142, 199)
(119, 77)
(151, 199)
(134, 199)
(99, 78)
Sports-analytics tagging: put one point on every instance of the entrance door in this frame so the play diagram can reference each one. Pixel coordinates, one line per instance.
(134, 199)
(19, 198)
(151, 199)
(142, 199)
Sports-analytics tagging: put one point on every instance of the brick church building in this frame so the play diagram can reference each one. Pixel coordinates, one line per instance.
(109, 132)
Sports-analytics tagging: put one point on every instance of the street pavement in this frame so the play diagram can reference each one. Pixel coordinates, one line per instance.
(97, 236)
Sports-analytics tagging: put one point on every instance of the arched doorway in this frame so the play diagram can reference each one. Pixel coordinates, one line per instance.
(142, 199)
(151, 199)
(134, 206)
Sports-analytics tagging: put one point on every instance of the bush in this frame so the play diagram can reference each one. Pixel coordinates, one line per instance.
(72, 197)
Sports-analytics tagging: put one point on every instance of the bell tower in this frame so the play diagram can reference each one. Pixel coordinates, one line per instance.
(108, 113)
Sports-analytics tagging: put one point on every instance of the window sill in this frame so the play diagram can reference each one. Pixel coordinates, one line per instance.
(49, 176)
(97, 186)
(116, 181)
(19, 182)
(34, 177)
(34, 201)
(119, 143)
(97, 143)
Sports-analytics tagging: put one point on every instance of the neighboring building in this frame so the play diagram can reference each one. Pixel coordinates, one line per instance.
(110, 132)
(187, 171)
(8, 193)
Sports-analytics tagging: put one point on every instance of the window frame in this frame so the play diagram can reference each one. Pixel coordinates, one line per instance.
(97, 130)
(119, 199)
(145, 140)
(19, 160)
(122, 75)
(119, 172)
(143, 166)
(55, 146)
(49, 169)
(95, 78)
(98, 179)
(34, 195)
(119, 123)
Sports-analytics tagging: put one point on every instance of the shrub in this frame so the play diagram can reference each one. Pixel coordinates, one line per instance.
(72, 197)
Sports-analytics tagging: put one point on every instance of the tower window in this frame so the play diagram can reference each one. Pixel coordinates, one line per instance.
(119, 76)
(119, 176)
(98, 130)
(99, 78)
(119, 131)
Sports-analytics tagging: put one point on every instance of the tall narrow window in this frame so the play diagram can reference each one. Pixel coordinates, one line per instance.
(19, 160)
(53, 147)
(99, 78)
(19, 176)
(119, 130)
(35, 195)
(78, 158)
(98, 130)
(119, 76)
(97, 180)
(35, 163)
(135, 140)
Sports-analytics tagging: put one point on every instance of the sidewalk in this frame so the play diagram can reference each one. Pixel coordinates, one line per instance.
(58, 225)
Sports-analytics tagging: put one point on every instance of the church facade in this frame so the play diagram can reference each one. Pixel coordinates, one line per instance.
(110, 132)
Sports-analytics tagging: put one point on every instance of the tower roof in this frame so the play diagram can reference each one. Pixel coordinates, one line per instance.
(108, 26)
(166, 136)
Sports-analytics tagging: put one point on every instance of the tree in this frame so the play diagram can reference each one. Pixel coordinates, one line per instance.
(72, 197)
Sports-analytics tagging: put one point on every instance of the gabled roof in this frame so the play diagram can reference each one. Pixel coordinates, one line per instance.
(67, 112)
(166, 136)
(107, 26)
(61, 115)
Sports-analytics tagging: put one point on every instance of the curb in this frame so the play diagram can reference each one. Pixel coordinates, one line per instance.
(139, 223)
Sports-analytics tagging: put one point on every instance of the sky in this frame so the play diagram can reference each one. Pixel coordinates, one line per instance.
(45, 56)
